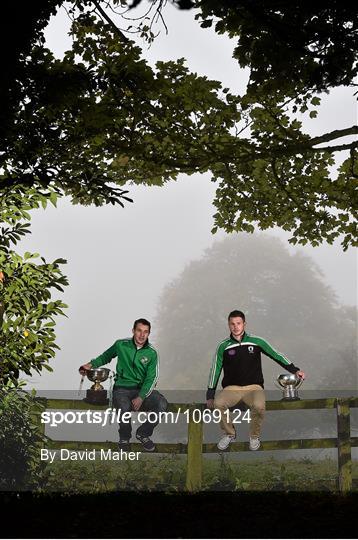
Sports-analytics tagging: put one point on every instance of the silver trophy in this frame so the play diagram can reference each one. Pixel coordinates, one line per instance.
(290, 384)
(97, 394)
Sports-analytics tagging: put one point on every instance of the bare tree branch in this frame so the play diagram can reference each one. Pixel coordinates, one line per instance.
(122, 37)
(336, 134)
(337, 148)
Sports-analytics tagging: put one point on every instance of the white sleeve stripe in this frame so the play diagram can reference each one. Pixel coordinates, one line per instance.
(214, 366)
(155, 380)
(278, 352)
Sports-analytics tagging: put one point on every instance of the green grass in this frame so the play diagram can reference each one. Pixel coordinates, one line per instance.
(167, 473)
(274, 475)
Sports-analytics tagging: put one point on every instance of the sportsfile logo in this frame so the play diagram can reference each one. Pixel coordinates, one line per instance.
(54, 419)
(111, 416)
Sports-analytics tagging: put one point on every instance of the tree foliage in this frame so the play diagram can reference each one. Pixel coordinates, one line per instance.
(24, 30)
(20, 439)
(27, 310)
(102, 118)
(287, 45)
(285, 301)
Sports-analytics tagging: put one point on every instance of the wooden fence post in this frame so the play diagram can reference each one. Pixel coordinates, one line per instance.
(344, 445)
(195, 450)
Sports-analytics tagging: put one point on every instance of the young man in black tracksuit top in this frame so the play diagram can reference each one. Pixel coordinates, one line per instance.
(239, 356)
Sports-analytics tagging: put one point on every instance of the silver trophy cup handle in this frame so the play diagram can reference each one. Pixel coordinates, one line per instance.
(277, 385)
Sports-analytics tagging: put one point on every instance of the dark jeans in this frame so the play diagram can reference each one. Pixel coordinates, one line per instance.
(122, 399)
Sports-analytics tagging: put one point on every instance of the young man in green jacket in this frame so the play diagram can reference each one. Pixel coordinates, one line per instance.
(239, 356)
(136, 377)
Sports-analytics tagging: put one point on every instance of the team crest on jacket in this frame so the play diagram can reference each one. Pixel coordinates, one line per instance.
(144, 360)
(231, 352)
(251, 349)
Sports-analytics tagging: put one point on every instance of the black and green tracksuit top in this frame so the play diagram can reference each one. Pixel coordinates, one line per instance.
(136, 368)
(241, 362)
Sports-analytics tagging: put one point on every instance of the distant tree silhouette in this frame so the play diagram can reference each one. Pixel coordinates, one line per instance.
(285, 300)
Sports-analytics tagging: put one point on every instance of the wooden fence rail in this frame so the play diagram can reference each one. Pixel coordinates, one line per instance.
(195, 446)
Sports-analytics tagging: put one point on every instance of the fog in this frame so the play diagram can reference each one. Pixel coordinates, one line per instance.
(120, 260)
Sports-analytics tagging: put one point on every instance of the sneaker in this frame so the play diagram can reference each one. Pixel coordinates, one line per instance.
(224, 442)
(124, 445)
(147, 443)
(254, 443)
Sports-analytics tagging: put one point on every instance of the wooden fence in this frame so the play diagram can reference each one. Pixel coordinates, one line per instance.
(195, 447)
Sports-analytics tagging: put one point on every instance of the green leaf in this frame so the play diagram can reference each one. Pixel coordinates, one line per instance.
(53, 198)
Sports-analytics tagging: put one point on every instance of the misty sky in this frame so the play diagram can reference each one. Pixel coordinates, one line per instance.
(119, 260)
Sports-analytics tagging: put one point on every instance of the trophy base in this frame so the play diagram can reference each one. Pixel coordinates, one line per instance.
(290, 399)
(96, 397)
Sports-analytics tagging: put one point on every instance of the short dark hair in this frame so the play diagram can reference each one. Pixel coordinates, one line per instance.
(236, 313)
(141, 321)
